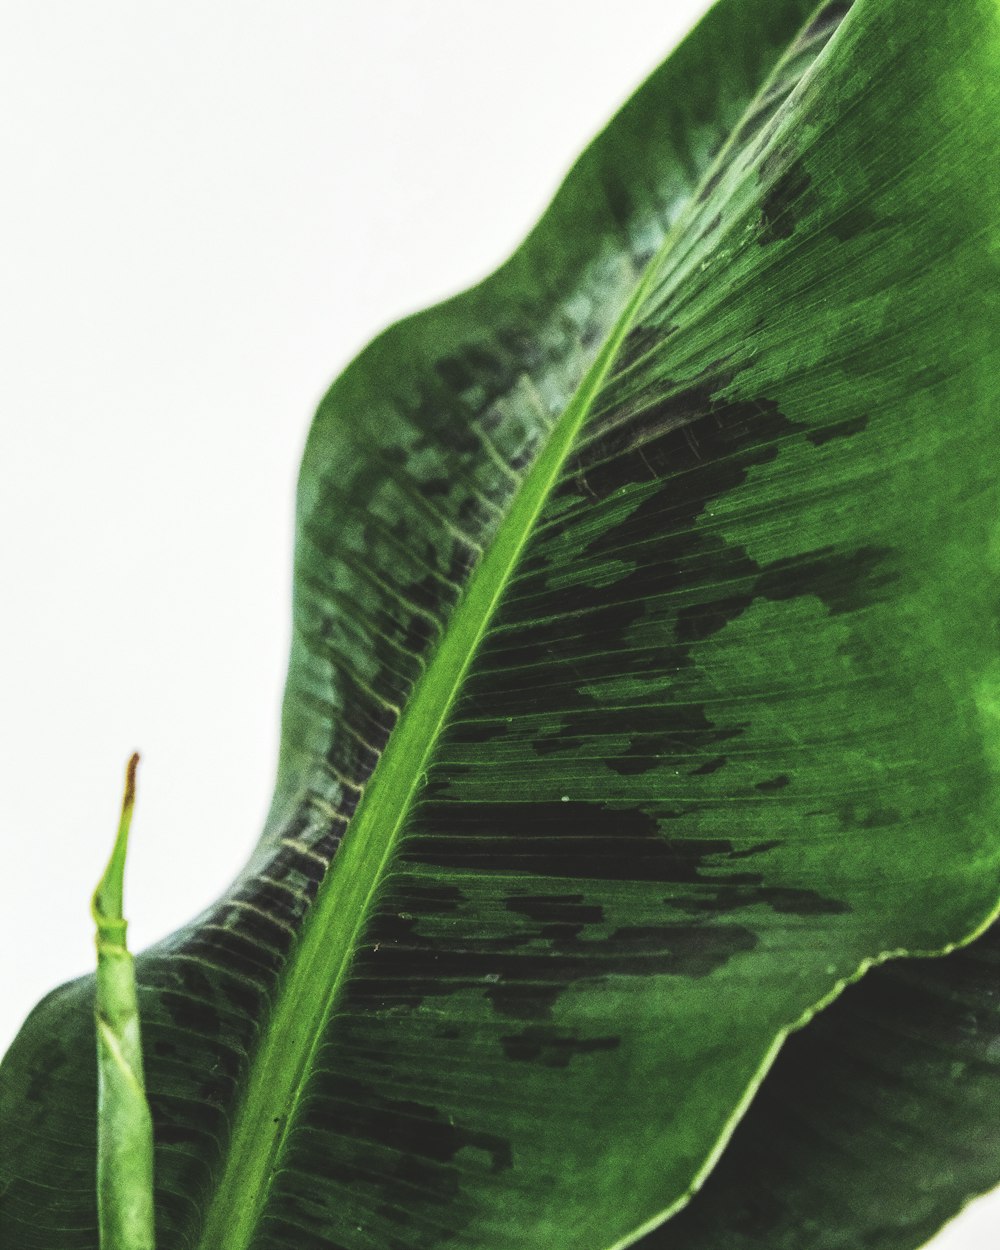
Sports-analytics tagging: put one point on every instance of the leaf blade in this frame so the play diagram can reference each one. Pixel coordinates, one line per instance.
(201, 989)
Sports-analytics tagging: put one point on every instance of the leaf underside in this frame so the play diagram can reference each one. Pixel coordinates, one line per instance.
(876, 1124)
(643, 692)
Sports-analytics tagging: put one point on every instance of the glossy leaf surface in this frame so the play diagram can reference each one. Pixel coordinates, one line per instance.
(644, 683)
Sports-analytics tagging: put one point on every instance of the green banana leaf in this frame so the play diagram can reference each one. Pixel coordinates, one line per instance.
(644, 689)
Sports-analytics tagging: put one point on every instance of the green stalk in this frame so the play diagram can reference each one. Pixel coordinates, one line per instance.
(124, 1124)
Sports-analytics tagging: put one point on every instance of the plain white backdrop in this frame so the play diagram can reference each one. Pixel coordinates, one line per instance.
(207, 210)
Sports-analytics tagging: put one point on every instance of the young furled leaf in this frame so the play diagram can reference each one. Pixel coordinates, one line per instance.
(643, 689)
(124, 1126)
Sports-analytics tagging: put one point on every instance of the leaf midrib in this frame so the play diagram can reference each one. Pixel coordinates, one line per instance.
(297, 1022)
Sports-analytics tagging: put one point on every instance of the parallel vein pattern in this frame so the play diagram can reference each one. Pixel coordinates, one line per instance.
(690, 743)
(730, 734)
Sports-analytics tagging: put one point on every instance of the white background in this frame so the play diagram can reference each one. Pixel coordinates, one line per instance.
(207, 210)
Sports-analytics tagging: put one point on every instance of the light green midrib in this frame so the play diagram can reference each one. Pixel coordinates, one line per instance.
(297, 1022)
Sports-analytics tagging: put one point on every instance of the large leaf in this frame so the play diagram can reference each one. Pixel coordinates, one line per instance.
(875, 1125)
(643, 688)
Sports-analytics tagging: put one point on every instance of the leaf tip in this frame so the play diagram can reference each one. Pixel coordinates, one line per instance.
(130, 769)
(106, 904)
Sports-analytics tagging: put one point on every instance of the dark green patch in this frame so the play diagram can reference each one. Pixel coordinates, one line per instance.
(843, 581)
(839, 429)
(786, 201)
(859, 220)
(710, 766)
(773, 784)
(737, 895)
(552, 1048)
(572, 840)
(410, 956)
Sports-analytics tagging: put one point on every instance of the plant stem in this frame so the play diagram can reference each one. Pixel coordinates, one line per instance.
(124, 1124)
